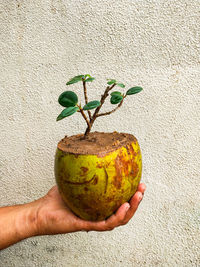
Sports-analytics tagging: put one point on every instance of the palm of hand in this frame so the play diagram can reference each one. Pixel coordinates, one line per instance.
(55, 217)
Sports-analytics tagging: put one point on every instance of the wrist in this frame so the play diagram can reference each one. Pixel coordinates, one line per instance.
(26, 219)
(18, 222)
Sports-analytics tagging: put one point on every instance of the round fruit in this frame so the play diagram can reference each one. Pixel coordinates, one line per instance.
(94, 186)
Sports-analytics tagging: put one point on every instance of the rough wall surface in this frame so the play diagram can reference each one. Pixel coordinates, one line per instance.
(154, 44)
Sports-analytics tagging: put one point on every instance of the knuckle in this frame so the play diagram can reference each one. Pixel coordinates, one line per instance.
(121, 221)
(125, 222)
(110, 228)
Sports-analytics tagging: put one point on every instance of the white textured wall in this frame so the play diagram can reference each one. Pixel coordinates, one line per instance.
(154, 44)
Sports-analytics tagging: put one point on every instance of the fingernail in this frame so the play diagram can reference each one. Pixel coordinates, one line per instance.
(140, 197)
(127, 207)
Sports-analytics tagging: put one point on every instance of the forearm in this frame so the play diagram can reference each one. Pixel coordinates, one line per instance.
(17, 223)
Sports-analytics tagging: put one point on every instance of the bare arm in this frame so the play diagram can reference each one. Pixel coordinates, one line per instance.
(49, 215)
(17, 223)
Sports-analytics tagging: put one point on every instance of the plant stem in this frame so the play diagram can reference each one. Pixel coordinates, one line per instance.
(84, 116)
(103, 97)
(109, 112)
(86, 98)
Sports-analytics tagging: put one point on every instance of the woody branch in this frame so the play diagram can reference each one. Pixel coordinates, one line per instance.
(86, 98)
(103, 97)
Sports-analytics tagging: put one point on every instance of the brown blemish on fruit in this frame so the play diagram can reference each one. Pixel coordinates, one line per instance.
(63, 175)
(127, 149)
(84, 169)
(61, 156)
(95, 180)
(117, 181)
(134, 169)
(132, 150)
(106, 184)
(134, 140)
(125, 164)
(85, 182)
(85, 189)
(88, 209)
(99, 165)
(79, 197)
(107, 164)
(110, 199)
(125, 167)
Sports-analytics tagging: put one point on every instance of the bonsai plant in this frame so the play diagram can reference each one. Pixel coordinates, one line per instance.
(96, 172)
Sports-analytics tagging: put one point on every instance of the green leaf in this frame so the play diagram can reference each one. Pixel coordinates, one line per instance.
(92, 105)
(68, 99)
(75, 79)
(91, 79)
(115, 99)
(87, 76)
(134, 90)
(67, 112)
(111, 81)
(121, 85)
(115, 93)
(79, 76)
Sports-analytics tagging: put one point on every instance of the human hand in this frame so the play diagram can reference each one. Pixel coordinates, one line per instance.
(54, 217)
(49, 215)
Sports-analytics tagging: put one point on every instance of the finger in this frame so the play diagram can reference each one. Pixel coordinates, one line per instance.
(134, 203)
(117, 218)
(92, 226)
(53, 190)
(109, 224)
(141, 188)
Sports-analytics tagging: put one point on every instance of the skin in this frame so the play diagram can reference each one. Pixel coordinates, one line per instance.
(49, 215)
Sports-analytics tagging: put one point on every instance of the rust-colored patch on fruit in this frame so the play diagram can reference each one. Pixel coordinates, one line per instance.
(132, 150)
(85, 182)
(88, 210)
(63, 175)
(86, 189)
(127, 149)
(110, 199)
(106, 183)
(134, 169)
(61, 156)
(86, 206)
(79, 197)
(117, 181)
(103, 165)
(84, 170)
(99, 165)
(125, 164)
(95, 180)
(108, 163)
(134, 140)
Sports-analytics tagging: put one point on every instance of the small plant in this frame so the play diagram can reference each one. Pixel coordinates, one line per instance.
(69, 100)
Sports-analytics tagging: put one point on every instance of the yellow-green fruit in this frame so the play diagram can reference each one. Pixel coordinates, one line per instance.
(95, 186)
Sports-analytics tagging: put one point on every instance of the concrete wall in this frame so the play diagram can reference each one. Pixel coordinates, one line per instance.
(154, 44)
